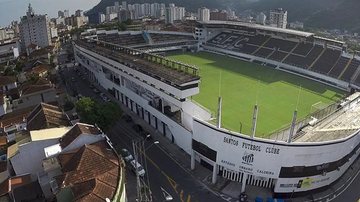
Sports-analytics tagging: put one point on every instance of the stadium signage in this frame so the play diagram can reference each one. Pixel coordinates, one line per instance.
(250, 146)
(231, 141)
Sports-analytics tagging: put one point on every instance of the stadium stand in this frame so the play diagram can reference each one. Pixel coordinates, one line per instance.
(278, 56)
(303, 49)
(326, 61)
(339, 67)
(263, 52)
(159, 38)
(350, 70)
(313, 55)
(279, 44)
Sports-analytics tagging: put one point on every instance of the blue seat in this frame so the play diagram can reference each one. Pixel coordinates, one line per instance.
(258, 199)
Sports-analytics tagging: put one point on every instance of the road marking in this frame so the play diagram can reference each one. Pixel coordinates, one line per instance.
(188, 198)
(173, 184)
(182, 196)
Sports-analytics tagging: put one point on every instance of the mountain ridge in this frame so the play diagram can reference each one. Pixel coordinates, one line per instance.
(329, 14)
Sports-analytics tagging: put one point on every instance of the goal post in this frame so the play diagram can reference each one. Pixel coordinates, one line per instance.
(317, 107)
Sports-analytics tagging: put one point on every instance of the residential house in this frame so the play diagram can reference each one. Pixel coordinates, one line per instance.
(20, 188)
(32, 94)
(14, 122)
(27, 157)
(47, 116)
(93, 172)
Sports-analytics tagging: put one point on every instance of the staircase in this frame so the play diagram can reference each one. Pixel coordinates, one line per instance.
(147, 38)
(312, 64)
(261, 46)
(347, 65)
(334, 65)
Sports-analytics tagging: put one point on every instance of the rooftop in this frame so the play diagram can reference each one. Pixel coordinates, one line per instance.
(257, 26)
(40, 86)
(164, 69)
(46, 116)
(15, 117)
(51, 133)
(76, 131)
(92, 172)
(6, 80)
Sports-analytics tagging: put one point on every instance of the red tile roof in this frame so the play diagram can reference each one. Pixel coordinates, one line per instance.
(39, 86)
(46, 116)
(92, 172)
(76, 131)
(15, 117)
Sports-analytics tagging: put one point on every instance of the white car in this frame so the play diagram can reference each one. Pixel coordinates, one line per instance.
(126, 155)
(137, 168)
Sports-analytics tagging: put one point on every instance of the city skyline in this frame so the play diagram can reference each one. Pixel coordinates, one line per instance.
(11, 10)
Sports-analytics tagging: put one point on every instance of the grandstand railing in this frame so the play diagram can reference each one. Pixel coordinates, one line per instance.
(320, 115)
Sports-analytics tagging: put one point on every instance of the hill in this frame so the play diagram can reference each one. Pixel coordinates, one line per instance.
(330, 14)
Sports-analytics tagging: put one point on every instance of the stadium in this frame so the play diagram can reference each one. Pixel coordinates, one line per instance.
(263, 106)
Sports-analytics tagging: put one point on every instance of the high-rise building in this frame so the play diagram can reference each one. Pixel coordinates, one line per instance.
(278, 18)
(218, 15)
(34, 30)
(79, 13)
(117, 6)
(60, 14)
(204, 14)
(170, 15)
(261, 18)
(179, 13)
(66, 14)
(124, 5)
(101, 18)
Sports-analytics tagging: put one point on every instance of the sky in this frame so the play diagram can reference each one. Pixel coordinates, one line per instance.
(13, 9)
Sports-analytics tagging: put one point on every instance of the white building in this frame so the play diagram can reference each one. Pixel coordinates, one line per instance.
(170, 15)
(278, 18)
(34, 29)
(261, 18)
(204, 14)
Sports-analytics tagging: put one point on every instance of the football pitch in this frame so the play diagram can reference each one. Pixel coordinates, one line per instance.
(244, 84)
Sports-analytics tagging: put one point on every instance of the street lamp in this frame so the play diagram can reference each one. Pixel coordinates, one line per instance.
(156, 142)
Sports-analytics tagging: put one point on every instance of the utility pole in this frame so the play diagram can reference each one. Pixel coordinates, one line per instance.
(142, 185)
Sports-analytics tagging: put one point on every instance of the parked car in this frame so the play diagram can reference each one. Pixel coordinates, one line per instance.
(126, 155)
(137, 168)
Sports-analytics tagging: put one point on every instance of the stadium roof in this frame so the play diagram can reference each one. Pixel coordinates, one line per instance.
(176, 73)
(257, 26)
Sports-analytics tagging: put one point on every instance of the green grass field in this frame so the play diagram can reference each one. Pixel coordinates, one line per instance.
(243, 84)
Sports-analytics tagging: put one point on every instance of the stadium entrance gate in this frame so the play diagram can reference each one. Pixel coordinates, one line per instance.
(251, 180)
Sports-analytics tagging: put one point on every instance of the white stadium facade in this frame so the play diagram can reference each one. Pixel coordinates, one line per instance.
(158, 90)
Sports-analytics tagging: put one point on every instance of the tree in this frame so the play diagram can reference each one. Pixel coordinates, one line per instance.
(92, 112)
